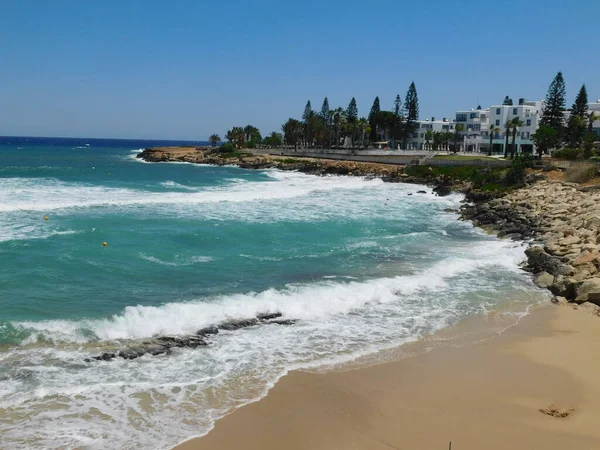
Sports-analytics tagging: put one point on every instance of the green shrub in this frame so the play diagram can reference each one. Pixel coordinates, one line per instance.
(228, 147)
(570, 154)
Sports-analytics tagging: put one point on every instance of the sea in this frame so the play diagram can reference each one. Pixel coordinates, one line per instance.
(362, 265)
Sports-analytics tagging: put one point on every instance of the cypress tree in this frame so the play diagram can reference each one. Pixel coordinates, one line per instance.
(579, 108)
(411, 111)
(352, 111)
(398, 106)
(325, 111)
(507, 101)
(375, 110)
(307, 111)
(411, 104)
(552, 115)
(577, 119)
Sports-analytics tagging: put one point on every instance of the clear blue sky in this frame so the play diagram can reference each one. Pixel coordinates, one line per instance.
(186, 69)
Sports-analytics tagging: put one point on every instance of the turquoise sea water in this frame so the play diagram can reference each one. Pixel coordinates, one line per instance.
(362, 264)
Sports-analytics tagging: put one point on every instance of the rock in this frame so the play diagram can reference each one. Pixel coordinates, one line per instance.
(421, 192)
(590, 307)
(557, 411)
(564, 287)
(450, 210)
(442, 190)
(268, 316)
(569, 240)
(589, 291)
(587, 257)
(283, 322)
(540, 261)
(544, 280)
(237, 324)
(559, 300)
(207, 330)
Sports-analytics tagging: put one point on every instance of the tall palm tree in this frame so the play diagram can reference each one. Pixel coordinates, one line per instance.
(214, 139)
(457, 130)
(516, 123)
(592, 117)
(493, 130)
(363, 123)
(339, 117)
(428, 137)
(506, 135)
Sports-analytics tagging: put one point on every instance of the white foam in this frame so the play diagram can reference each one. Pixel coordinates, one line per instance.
(178, 260)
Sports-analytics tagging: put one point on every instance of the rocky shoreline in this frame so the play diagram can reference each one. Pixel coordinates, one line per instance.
(561, 221)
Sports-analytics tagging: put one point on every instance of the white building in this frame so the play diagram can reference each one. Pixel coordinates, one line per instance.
(421, 139)
(595, 108)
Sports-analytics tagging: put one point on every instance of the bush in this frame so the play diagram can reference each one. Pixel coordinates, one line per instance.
(581, 172)
(570, 154)
(516, 173)
(228, 147)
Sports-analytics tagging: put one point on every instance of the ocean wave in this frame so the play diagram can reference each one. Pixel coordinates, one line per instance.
(305, 302)
(26, 194)
(179, 261)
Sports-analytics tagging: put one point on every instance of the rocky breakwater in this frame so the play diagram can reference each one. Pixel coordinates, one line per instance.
(562, 220)
(164, 345)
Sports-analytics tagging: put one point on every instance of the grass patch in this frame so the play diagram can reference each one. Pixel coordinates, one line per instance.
(482, 177)
(230, 155)
(464, 157)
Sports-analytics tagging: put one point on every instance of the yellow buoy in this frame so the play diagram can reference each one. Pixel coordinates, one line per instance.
(104, 244)
(45, 217)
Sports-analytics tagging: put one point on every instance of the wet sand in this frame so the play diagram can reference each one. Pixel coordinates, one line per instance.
(486, 395)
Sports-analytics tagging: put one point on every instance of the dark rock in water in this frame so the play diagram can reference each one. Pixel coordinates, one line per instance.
(421, 192)
(268, 316)
(237, 324)
(283, 322)
(442, 190)
(207, 330)
(409, 194)
(192, 341)
(450, 210)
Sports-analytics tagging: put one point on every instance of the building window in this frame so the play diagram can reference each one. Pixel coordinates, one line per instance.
(514, 111)
(498, 111)
(452, 127)
(461, 117)
(444, 127)
(482, 117)
(497, 122)
(472, 115)
(422, 135)
(528, 122)
(477, 127)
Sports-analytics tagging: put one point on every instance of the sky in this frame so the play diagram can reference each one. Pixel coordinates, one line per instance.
(187, 69)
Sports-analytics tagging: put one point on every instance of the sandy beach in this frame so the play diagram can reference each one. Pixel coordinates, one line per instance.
(484, 395)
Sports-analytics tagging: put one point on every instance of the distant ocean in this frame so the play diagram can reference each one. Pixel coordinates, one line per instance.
(362, 264)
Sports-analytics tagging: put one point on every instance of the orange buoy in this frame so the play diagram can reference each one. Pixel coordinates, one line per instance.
(104, 244)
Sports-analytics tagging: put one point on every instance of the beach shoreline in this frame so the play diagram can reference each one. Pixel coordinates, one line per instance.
(484, 395)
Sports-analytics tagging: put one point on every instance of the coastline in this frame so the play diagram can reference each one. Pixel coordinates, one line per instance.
(338, 409)
(486, 395)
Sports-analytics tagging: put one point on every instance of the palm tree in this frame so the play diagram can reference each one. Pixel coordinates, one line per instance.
(363, 123)
(428, 137)
(292, 131)
(457, 130)
(214, 138)
(592, 117)
(339, 117)
(516, 123)
(507, 133)
(493, 130)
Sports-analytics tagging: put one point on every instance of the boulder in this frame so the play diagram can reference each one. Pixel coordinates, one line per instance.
(544, 280)
(237, 324)
(268, 316)
(590, 307)
(587, 257)
(442, 190)
(589, 291)
(564, 287)
(559, 300)
(207, 330)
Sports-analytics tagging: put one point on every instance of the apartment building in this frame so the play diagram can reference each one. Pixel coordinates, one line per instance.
(421, 139)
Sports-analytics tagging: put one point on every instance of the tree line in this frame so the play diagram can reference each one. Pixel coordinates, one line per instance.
(335, 127)
(576, 133)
